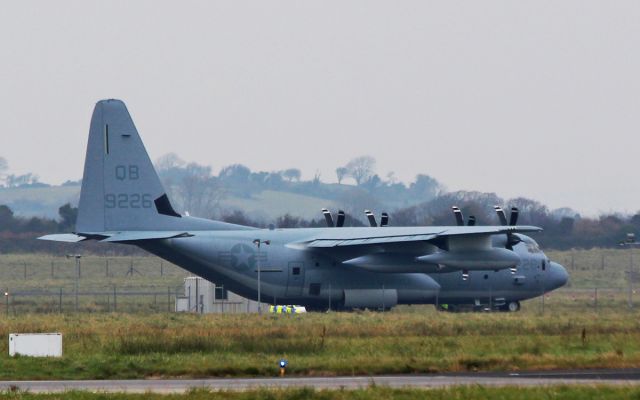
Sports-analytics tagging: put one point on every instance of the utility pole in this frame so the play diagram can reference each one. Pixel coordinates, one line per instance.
(77, 257)
(257, 243)
(630, 276)
(630, 242)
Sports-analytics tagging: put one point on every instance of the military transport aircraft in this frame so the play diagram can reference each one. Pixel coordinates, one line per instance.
(122, 201)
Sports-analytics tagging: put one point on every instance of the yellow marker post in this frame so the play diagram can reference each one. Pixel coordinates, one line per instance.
(283, 366)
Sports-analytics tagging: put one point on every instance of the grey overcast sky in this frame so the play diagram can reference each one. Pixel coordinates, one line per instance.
(532, 98)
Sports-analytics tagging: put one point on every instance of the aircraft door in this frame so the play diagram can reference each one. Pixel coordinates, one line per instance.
(295, 279)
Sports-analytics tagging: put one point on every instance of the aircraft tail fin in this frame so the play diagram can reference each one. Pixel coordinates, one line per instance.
(121, 190)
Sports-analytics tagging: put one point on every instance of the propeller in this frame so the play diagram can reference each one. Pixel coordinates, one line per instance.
(512, 239)
(384, 219)
(328, 217)
(501, 216)
(458, 214)
(460, 218)
(465, 274)
(371, 218)
(513, 218)
(341, 217)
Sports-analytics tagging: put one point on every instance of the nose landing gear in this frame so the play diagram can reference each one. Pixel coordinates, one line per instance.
(512, 306)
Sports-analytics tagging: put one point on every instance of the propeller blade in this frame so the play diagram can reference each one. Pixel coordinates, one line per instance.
(501, 216)
(465, 274)
(371, 218)
(513, 218)
(472, 221)
(328, 217)
(513, 270)
(384, 219)
(341, 217)
(458, 214)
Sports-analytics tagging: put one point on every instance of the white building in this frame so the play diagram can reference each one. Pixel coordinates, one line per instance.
(204, 297)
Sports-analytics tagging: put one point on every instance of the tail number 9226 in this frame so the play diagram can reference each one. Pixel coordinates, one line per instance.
(128, 200)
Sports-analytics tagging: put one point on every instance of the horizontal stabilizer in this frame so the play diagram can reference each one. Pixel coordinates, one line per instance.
(144, 235)
(63, 237)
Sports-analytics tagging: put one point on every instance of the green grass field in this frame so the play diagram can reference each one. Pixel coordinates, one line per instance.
(456, 393)
(186, 345)
(141, 339)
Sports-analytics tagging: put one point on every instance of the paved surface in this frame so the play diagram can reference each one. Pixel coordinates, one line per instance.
(580, 377)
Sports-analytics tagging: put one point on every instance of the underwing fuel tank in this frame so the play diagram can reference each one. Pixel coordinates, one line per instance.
(494, 258)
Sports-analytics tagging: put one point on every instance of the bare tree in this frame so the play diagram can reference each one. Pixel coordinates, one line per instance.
(341, 173)
(169, 161)
(361, 168)
(200, 193)
(292, 174)
(4, 166)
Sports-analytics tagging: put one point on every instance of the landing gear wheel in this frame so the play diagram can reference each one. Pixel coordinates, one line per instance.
(513, 306)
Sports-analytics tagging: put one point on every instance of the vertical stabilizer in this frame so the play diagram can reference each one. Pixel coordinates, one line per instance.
(120, 188)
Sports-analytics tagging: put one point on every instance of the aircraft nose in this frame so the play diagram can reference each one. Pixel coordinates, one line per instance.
(559, 275)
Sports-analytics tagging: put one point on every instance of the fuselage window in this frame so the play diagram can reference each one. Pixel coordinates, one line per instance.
(544, 265)
(296, 271)
(486, 276)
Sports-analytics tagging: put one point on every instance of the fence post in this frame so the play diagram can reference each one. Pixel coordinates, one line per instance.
(51, 269)
(595, 298)
(115, 303)
(60, 301)
(573, 265)
(161, 268)
(168, 298)
(106, 268)
(25, 270)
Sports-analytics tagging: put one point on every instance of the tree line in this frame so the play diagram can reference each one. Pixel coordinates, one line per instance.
(563, 228)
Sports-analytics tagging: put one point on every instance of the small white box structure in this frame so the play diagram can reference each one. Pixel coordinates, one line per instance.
(204, 297)
(35, 344)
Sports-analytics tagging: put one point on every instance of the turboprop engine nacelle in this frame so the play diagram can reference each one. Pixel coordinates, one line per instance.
(473, 259)
(392, 263)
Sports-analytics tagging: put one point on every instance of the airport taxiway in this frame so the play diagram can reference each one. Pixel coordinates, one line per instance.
(574, 377)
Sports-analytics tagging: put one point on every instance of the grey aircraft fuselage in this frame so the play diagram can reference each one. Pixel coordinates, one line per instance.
(318, 281)
(122, 200)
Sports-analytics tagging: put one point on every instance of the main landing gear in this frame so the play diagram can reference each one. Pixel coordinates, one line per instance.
(511, 306)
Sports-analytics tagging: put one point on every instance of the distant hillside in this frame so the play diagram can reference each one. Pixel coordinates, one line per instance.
(39, 201)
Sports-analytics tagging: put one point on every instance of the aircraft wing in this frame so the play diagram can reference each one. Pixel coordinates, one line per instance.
(340, 237)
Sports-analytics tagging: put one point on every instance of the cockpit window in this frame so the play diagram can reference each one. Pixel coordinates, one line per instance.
(532, 247)
(544, 265)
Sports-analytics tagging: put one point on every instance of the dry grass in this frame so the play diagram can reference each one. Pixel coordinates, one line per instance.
(133, 346)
